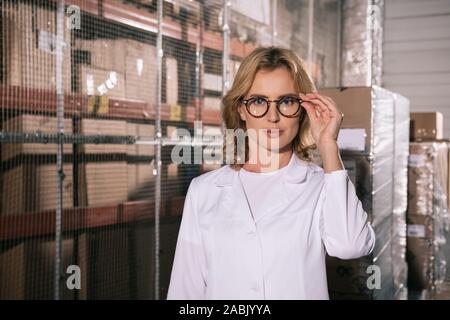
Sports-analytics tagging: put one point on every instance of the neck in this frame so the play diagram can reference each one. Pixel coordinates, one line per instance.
(266, 160)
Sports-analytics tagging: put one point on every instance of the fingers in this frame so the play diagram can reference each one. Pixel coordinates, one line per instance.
(326, 102)
(331, 104)
(310, 110)
(317, 103)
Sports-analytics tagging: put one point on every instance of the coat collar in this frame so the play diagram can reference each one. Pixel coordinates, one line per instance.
(295, 173)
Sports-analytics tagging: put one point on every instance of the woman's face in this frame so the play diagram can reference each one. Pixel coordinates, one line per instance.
(271, 84)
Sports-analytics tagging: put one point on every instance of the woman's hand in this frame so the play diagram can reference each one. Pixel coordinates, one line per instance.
(325, 121)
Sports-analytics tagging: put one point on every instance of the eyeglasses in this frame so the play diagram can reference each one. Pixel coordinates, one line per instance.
(258, 106)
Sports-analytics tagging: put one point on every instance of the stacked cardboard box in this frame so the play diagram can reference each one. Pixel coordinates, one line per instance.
(212, 103)
(30, 184)
(426, 126)
(172, 168)
(99, 82)
(140, 72)
(103, 182)
(141, 165)
(27, 123)
(212, 82)
(100, 67)
(128, 253)
(171, 88)
(30, 54)
(27, 269)
(373, 136)
(427, 217)
(125, 69)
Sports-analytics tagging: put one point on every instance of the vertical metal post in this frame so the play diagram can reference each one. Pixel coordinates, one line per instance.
(339, 45)
(369, 32)
(226, 47)
(310, 34)
(274, 21)
(59, 156)
(199, 64)
(160, 53)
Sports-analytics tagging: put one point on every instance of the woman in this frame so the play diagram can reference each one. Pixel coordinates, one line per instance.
(255, 231)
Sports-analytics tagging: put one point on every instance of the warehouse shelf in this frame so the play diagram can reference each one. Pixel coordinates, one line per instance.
(211, 117)
(132, 16)
(43, 101)
(43, 223)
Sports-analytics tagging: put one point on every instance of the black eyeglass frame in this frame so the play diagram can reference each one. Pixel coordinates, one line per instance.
(268, 102)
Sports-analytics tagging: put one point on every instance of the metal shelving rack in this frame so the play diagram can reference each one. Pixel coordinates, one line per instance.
(167, 31)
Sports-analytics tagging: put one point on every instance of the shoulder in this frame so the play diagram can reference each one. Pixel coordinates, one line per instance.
(211, 178)
(312, 167)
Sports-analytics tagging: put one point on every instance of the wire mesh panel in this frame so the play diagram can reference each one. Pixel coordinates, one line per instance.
(95, 97)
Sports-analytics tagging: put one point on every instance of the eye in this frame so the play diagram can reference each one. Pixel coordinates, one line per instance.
(288, 100)
(259, 101)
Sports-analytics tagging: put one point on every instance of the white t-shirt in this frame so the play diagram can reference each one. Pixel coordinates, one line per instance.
(261, 183)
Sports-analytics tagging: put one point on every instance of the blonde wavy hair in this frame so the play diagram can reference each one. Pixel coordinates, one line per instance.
(267, 58)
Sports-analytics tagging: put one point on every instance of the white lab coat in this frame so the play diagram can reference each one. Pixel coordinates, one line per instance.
(222, 253)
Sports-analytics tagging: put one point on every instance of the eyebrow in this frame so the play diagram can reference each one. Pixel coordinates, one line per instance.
(280, 96)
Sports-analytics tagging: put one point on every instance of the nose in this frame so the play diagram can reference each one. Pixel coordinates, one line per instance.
(272, 113)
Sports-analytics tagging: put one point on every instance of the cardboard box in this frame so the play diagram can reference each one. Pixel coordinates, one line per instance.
(212, 103)
(27, 270)
(92, 127)
(420, 264)
(212, 82)
(427, 170)
(34, 188)
(141, 181)
(172, 170)
(108, 265)
(426, 126)
(350, 276)
(103, 183)
(140, 72)
(106, 54)
(356, 104)
(30, 54)
(12, 273)
(135, 60)
(427, 251)
(171, 71)
(100, 82)
(141, 130)
(27, 123)
(129, 255)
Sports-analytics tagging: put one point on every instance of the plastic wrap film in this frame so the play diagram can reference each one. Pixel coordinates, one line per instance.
(377, 21)
(382, 153)
(374, 171)
(325, 42)
(427, 216)
(356, 44)
(362, 36)
(348, 279)
(309, 28)
(400, 201)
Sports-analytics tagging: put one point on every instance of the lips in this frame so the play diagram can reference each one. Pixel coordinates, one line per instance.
(273, 133)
